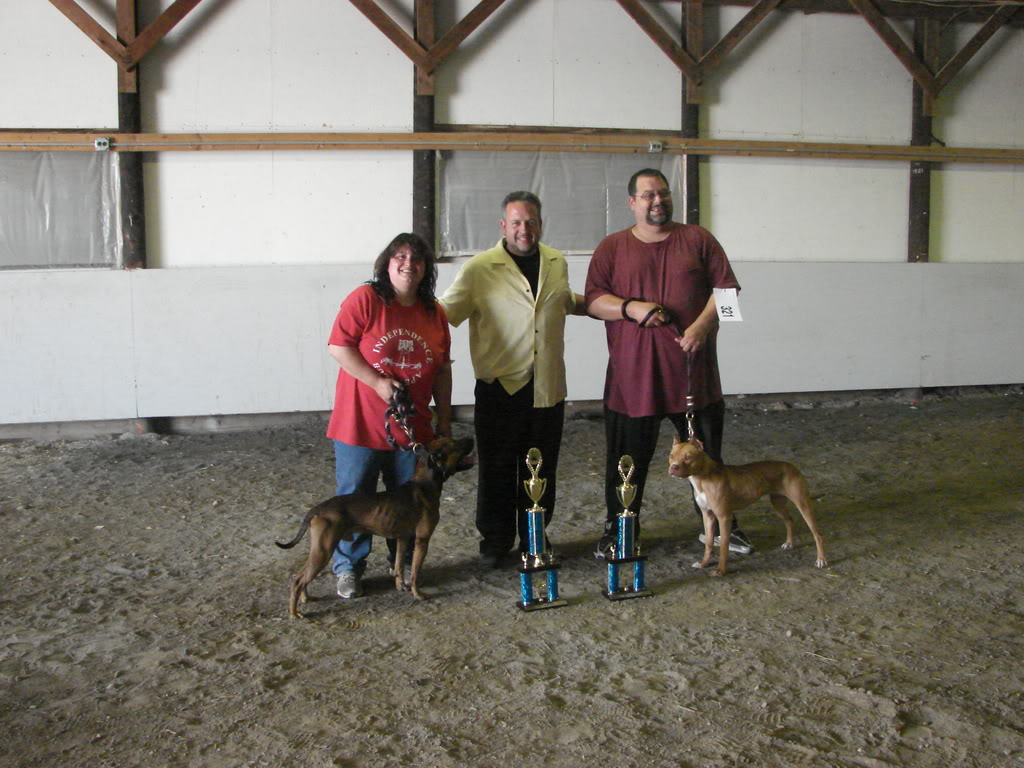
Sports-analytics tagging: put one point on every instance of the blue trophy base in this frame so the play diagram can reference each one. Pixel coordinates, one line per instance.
(531, 603)
(633, 590)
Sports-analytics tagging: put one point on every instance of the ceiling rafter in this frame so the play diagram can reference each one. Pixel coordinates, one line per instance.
(694, 66)
(126, 56)
(427, 59)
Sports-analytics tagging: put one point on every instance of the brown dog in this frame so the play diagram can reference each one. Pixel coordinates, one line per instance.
(411, 510)
(721, 489)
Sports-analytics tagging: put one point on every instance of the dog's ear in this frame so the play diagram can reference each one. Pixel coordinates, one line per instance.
(697, 442)
(675, 440)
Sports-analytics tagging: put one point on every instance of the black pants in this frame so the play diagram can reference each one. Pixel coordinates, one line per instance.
(638, 437)
(507, 426)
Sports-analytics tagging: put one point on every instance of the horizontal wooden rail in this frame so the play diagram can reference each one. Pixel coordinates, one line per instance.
(635, 143)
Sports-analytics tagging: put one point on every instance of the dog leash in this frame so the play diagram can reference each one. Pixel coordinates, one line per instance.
(672, 323)
(399, 409)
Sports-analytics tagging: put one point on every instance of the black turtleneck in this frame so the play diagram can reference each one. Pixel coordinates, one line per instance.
(528, 265)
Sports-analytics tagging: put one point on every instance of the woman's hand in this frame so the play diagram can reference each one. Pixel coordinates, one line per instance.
(385, 388)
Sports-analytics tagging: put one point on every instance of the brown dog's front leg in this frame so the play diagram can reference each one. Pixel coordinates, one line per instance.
(709, 538)
(401, 545)
(419, 554)
(724, 531)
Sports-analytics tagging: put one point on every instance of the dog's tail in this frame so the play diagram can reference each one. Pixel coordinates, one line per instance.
(302, 529)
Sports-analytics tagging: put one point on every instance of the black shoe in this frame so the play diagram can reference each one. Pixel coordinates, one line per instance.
(491, 559)
(605, 548)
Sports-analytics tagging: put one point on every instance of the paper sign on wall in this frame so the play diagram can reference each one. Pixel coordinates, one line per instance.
(728, 304)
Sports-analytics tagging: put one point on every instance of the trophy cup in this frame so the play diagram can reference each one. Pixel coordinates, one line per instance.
(627, 546)
(538, 559)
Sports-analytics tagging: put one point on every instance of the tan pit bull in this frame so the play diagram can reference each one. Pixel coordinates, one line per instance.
(721, 489)
(413, 509)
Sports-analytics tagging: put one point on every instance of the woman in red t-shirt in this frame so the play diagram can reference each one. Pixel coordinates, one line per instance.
(389, 333)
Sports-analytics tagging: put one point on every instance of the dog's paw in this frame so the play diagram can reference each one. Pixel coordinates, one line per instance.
(821, 563)
(786, 545)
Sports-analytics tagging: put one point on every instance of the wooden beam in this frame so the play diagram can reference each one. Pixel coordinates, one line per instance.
(735, 36)
(127, 79)
(989, 28)
(73, 11)
(693, 35)
(952, 12)
(159, 28)
(926, 45)
(398, 36)
(637, 142)
(687, 65)
(457, 34)
(424, 161)
(127, 53)
(896, 44)
(425, 31)
(132, 200)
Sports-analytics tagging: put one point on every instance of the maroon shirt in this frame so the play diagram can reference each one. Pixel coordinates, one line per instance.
(647, 370)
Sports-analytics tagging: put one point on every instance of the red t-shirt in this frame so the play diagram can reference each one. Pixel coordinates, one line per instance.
(647, 371)
(406, 343)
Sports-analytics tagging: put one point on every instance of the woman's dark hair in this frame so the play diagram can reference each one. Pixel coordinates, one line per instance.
(381, 282)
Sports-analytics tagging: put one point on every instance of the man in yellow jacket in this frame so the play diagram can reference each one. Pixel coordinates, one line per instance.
(516, 297)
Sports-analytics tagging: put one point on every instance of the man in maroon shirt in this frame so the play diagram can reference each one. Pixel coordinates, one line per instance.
(653, 285)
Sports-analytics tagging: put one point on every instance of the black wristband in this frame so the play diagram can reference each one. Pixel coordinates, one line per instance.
(623, 309)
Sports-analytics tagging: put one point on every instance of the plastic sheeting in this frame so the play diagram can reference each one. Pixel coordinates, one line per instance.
(59, 209)
(583, 195)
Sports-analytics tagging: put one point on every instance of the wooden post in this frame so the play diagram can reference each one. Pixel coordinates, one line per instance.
(129, 164)
(926, 34)
(424, 166)
(693, 29)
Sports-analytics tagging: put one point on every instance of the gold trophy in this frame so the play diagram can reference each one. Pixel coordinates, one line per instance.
(538, 558)
(627, 544)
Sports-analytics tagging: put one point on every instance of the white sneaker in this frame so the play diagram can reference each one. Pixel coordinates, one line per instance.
(349, 585)
(739, 544)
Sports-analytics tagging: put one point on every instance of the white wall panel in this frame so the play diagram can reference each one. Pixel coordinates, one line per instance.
(814, 327)
(51, 74)
(815, 77)
(276, 65)
(93, 345)
(852, 87)
(977, 210)
(972, 324)
(65, 346)
(238, 208)
(774, 209)
(978, 214)
(607, 73)
(225, 341)
(982, 106)
(501, 75)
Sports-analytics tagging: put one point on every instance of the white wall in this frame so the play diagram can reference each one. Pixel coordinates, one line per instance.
(250, 252)
(224, 340)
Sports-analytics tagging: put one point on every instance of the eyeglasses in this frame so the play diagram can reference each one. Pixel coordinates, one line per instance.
(400, 256)
(647, 197)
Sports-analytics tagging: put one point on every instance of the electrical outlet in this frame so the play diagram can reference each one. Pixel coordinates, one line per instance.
(101, 144)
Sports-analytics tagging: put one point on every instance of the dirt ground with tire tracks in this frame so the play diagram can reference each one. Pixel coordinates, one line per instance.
(143, 618)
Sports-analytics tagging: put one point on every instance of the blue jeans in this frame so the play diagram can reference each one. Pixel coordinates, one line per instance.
(356, 470)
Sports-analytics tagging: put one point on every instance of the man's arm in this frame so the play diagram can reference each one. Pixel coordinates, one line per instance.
(609, 307)
(443, 399)
(458, 300)
(696, 334)
(579, 306)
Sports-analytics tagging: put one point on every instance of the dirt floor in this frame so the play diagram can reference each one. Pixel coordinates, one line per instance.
(143, 618)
